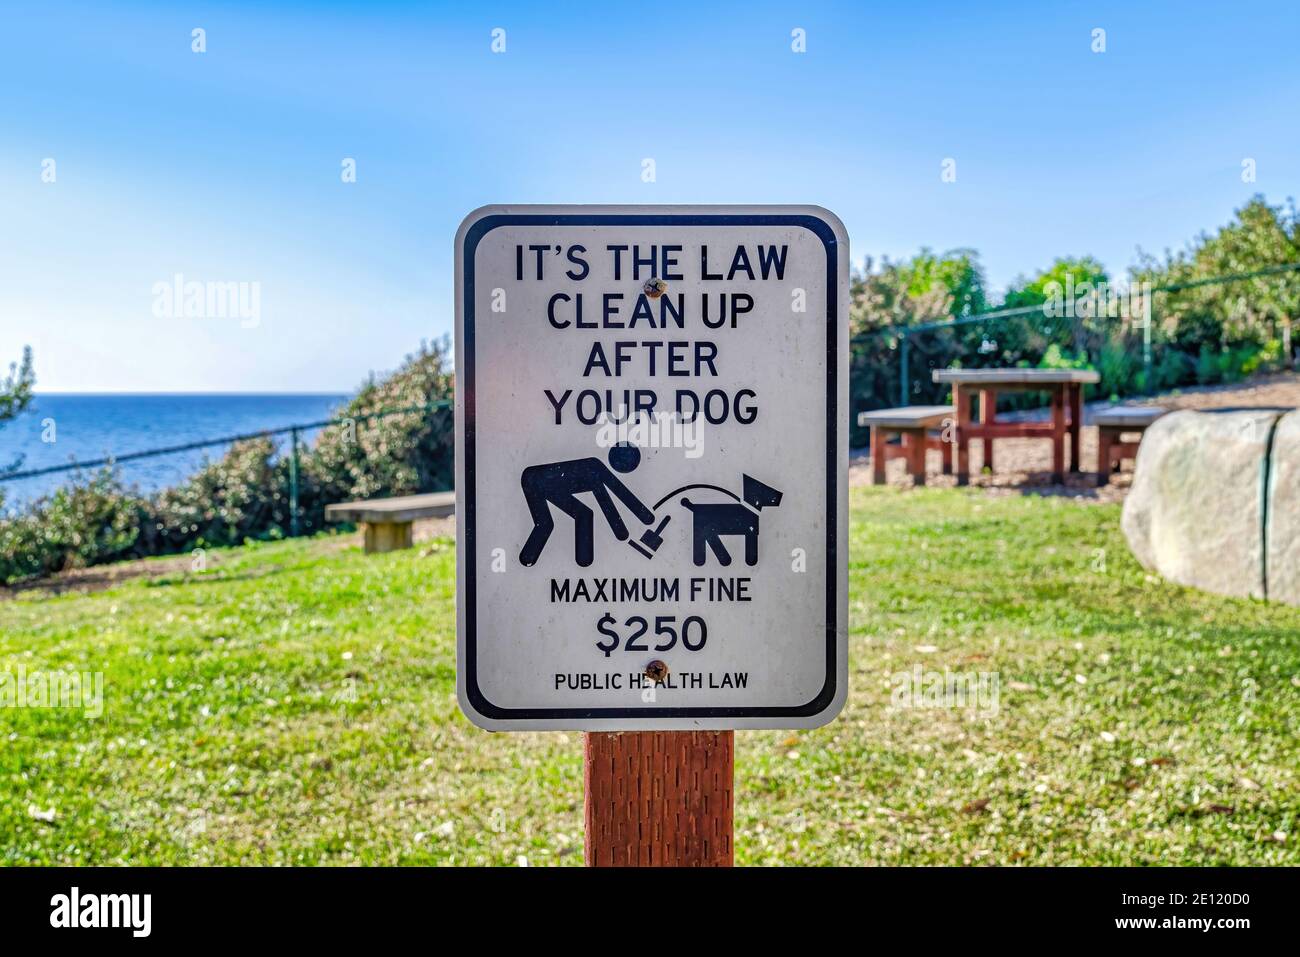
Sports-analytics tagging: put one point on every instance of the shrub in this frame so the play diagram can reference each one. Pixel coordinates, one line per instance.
(1208, 368)
(244, 494)
(1121, 371)
(1268, 358)
(1055, 358)
(1173, 367)
(84, 523)
(369, 456)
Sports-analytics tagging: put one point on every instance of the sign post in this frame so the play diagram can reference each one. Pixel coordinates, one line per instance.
(658, 798)
(651, 453)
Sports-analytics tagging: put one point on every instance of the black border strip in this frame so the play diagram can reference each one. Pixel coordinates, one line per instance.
(468, 494)
(1266, 502)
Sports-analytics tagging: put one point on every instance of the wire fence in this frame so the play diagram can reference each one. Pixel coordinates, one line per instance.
(893, 365)
(288, 446)
(1119, 336)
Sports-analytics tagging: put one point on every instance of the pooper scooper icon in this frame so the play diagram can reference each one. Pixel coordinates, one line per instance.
(651, 539)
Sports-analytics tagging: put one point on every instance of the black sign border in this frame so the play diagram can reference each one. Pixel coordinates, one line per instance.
(467, 494)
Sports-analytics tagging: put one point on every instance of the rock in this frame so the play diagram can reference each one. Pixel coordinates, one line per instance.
(1283, 533)
(1196, 509)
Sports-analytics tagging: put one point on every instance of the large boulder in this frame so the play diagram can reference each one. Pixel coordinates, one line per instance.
(1196, 510)
(1282, 535)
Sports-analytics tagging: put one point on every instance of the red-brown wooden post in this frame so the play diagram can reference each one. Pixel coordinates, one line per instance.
(914, 452)
(878, 454)
(1104, 457)
(1058, 434)
(659, 798)
(962, 400)
(1076, 423)
(988, 415)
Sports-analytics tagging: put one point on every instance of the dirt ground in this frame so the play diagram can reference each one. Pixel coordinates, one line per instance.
(1024, 466)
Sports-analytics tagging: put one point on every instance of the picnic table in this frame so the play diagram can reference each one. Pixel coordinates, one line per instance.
(1112, 425)
(915, 426)
(1065, 387)
(388, 521)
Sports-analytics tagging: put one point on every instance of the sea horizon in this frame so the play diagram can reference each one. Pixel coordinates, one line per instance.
(59, 429)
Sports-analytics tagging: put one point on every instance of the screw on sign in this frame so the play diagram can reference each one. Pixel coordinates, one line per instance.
(652, 427)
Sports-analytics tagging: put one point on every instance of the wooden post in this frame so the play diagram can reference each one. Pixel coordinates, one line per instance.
(1076, 424)
(1104, 439)
(659, 798)
(387, 536)
(962, 400)
(878, 454)
(988, 415)
(1058, 434)
(914, 447)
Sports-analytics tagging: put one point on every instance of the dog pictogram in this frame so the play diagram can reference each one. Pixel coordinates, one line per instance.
(711, 522)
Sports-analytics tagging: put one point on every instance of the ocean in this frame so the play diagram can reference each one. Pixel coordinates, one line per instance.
(61, 427)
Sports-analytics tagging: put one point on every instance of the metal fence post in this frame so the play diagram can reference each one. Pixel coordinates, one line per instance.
(1149, 385)
(293, 483)
(904, 377)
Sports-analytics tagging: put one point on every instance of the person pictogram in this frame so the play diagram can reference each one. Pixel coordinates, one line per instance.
(560, 483)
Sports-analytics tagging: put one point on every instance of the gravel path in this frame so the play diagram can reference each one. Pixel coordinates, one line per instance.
(1024, 466)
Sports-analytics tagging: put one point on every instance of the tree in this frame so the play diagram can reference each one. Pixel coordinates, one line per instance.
(15, 396)
(1250, 311)
(1076, 277)
(1063, 272)
(925, 288)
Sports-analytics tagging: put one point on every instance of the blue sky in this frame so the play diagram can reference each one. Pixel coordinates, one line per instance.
(225, 165)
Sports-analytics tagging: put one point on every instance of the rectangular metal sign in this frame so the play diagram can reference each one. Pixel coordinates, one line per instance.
(651, 455)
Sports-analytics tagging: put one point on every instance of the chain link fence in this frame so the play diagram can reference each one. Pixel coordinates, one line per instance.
(1121, 336)
(276, 482)
(266, 484)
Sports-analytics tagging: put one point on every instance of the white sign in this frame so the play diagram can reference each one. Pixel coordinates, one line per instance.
(651, 454)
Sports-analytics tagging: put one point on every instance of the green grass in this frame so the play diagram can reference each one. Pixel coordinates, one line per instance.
(296, 705)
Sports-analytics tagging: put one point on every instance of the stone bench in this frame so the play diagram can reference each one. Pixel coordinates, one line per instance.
(1112, 425)
(913, 425)
(387, 521)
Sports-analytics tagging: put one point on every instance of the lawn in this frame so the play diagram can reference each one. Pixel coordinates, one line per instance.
(295, 704)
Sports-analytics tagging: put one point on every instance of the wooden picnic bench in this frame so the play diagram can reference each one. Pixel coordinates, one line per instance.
(1112, 425)
(1065, 387)
(913, 425)
(388, 521)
